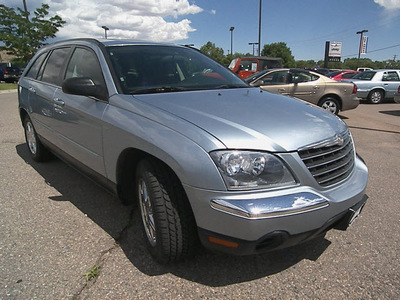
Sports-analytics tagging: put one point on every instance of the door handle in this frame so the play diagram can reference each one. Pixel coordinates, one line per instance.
(32, 90)
(281, 90)
(58, 102)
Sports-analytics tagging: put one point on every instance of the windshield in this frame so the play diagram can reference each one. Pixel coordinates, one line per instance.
(157, 69)
(367, 75)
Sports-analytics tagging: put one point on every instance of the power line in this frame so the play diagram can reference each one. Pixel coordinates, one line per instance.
(372, 51)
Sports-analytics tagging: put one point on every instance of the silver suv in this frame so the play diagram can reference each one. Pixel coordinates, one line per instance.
(207, 158)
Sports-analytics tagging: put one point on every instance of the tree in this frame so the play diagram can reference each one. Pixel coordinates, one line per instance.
(280, 50)
(213, 51)
(23, 37)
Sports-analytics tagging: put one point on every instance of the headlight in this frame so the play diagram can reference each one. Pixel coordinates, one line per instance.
(251, 170)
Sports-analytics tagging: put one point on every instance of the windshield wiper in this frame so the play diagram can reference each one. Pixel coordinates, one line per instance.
(162, 89)
(230, 86)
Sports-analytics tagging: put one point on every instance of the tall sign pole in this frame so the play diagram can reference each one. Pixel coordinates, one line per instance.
(361, 45)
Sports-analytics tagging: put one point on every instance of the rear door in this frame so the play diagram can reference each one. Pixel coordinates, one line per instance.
(79, 118)
(307, 86)
(43, 80)
(391, 82)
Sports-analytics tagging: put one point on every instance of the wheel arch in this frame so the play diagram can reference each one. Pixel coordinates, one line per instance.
(22, 114)
(127, 164)
(378, 89)
(331, 95)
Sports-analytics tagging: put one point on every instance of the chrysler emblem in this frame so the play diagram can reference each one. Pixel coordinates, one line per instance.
(339, 140)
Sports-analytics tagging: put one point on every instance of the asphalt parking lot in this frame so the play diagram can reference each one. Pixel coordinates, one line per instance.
(56, 226)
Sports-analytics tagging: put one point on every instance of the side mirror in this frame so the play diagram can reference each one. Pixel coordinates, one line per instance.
(83, 86)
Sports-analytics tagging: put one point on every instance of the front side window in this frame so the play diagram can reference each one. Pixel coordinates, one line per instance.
(274, 78)
(84, 63)
(157, 69)
(54, 65)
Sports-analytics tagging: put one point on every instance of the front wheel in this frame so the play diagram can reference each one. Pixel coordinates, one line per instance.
(168, 223)
(375, 97)
(38, 152)
(330, 104)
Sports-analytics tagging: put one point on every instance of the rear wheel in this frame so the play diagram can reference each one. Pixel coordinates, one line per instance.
(36, 149)
(168, 223)
(375, 97)
(330, 104)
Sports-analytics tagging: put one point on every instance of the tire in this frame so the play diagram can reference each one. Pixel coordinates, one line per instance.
(330, 104)
(375, 97)
(168, 223)
(36, 149)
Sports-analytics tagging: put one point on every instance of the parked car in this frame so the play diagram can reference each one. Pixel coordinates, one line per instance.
(322, 71)
(340, 75)
(363, 69)
(207, 157)
(309, 86)
(376, 85)
(246, 66)
(397, 95)
(10, 74)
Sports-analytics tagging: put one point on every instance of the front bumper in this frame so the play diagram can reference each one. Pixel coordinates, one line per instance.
(277, 239)
(239, 222)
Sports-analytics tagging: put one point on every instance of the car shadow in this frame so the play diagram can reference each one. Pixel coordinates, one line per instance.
(123, 224)
(395, 113)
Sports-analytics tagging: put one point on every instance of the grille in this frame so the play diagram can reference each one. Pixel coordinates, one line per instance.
(331, 162)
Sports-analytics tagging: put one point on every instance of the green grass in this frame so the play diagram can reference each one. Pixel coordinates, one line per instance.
(8, 86)
(92, 273)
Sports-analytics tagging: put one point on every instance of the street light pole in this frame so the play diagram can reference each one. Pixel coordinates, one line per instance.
(231, 30)
(259, 30)
(105, 31)
(253, 46)
(361, 40)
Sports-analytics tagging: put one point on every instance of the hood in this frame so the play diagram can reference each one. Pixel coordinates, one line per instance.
(248, 118)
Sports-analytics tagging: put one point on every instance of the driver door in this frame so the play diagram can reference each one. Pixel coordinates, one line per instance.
(277, 82)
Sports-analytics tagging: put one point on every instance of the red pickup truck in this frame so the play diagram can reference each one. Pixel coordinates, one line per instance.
(246, 66)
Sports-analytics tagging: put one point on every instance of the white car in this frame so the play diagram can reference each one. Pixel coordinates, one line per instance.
(376, 85)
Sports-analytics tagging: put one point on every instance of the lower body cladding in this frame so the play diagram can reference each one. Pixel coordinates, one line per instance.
(251, 223)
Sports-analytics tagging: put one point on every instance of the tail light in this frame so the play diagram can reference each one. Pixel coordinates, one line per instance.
(355, 89)
(398, 89)
(5, 71)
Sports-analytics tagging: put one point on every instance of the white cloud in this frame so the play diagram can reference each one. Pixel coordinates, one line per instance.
(389, 4)
(151, 20)
(213, 12)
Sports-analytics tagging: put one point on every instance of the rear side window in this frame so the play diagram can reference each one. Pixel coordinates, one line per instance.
(54, 65)
(390, 76)
(34, 70)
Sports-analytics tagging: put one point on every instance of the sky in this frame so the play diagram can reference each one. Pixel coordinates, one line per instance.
(304, 25)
